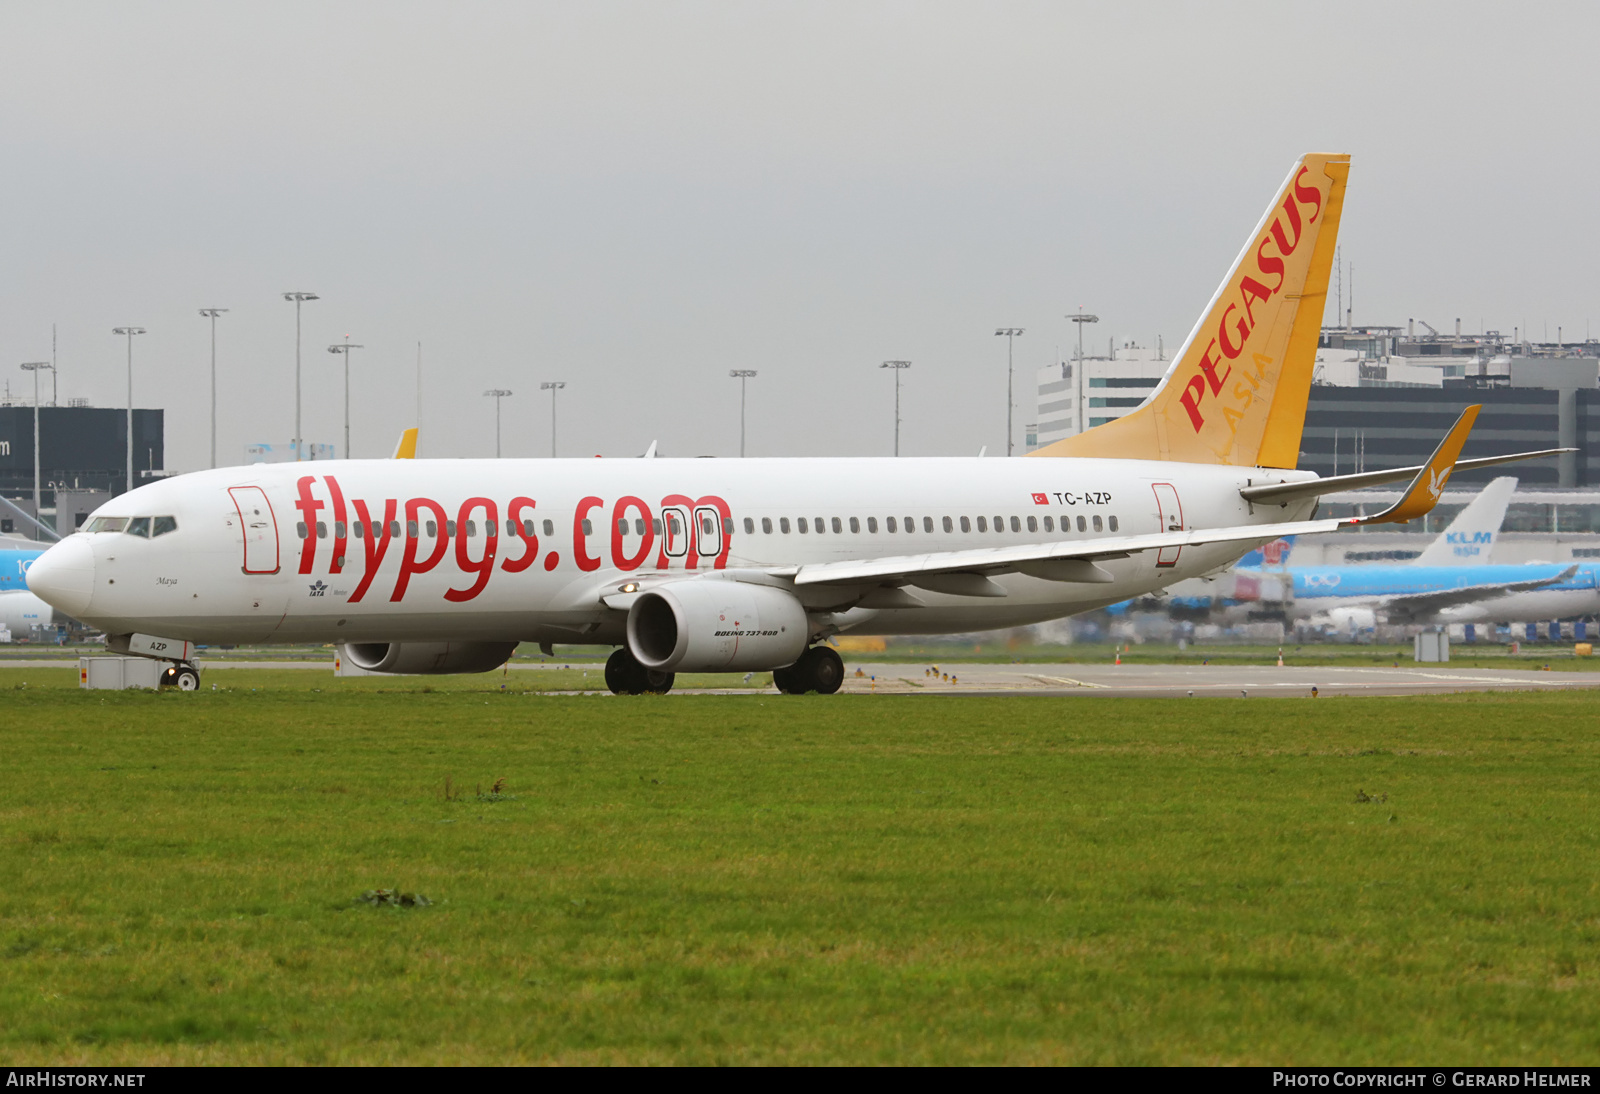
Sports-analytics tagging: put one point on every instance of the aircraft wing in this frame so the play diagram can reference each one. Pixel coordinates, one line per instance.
(1419, 606)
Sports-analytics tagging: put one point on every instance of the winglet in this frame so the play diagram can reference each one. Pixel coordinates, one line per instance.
(1423, 493)
(407, 448)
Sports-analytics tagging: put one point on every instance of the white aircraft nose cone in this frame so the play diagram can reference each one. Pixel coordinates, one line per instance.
(63, 576)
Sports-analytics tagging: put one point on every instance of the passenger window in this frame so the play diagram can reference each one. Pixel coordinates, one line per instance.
(855, 525)
(966, 524)
(549, 528)
(821, 526)
(872, 525)
(783, 523)
(411, 529)
(766, 526)
(450, 528)
(655, 525)
(1083, 525)
(727, 525)
(1016, 525)
(800, 523)
(1049, 525)
(1113, 524)
(888, 524)
(338, 527)
(322, 529)
(949, 525)
(394, 529)
(433, 530)
(162, 525)
(910, 525)
(527, 527)
(983, 525)
(1033, 524)
(108, 524)
(360, 529)
(749, 526)
(638, 526)
(472, 529)
(927, 524)
(622, 526)
(491, 528)
(588, 526)
(837, 527)
(1097, 526)
(300, 529)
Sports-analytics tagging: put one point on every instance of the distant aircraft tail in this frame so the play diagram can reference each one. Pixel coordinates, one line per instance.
(1236, 392)
(1275, 553)
(406, 449)
(1469, 541)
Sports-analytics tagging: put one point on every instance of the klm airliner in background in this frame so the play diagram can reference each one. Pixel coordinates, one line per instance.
(20, 610)
(1453, 581)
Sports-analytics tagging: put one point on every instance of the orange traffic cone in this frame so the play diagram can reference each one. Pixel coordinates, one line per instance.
(1119, 657)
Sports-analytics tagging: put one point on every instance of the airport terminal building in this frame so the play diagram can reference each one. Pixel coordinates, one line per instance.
(82, 459)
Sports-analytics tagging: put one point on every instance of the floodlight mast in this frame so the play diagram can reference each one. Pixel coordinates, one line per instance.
(129, 332)
(742, 375)
(298, 298)
(211, 314)
(552, 386)
(1011, 334)
(37, 367)
(897, 366)
(1081, 317)
(344, 348)
(498, 393)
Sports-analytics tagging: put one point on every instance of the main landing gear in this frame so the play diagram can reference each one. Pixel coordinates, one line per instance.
(181, 675)
(819, 669)
(625, 676)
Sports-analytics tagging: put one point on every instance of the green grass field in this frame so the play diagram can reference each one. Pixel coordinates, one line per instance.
(757, 878)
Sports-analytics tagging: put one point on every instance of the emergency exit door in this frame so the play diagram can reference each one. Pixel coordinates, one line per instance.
(1171, 514)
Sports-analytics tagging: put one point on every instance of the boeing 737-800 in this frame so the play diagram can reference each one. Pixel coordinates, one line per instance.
(737, 565)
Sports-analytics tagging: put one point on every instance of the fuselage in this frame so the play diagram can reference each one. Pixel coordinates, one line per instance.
(1326, 589)
(522, 550)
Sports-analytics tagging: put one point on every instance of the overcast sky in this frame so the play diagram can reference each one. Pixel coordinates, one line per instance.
(636, 197)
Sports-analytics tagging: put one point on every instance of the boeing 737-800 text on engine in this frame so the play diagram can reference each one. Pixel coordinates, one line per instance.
(739, 565)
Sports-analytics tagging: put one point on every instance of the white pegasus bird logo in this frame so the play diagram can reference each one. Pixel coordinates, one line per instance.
(1436, 481)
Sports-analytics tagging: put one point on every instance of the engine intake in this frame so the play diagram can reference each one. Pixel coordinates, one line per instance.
(716, 625)
(429, 658)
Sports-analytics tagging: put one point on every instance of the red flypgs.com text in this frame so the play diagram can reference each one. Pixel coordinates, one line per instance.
(484, 534)
(1238, 319)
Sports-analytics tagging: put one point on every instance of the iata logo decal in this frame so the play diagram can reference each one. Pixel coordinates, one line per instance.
(1238, 319)
(318, 589)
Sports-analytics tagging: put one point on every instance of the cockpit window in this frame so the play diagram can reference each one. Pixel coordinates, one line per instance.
(139, 526)
(160, 526)
(108, 524)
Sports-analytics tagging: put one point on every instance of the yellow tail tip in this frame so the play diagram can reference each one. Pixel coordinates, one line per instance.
(407, 448)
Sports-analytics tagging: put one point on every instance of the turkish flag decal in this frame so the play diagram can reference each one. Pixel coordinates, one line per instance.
(1041, 499)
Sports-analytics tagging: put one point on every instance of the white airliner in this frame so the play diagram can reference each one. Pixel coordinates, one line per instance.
(420, 566)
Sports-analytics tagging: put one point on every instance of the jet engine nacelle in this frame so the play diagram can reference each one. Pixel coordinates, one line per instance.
(423, 658)
(20, 611)
(714, 625)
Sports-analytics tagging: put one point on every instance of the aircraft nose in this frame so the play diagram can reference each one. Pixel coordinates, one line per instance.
(63, 576)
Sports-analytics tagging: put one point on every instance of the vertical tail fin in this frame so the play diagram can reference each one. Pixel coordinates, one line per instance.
(1236, 392)
(406, 449)
(1469, 541)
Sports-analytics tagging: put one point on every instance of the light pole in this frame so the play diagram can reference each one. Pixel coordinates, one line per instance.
(36, 367)
(129, 332)
(298, 298)
(1011, 334)
(1081, 317)
(498, 393)
(211, 314)
(742, 375)
(897, 366)
(552, 387)
(344, 349)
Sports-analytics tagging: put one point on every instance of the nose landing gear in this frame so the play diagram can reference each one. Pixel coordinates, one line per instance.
(819, 669)
(181, 675)
(626, 676)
